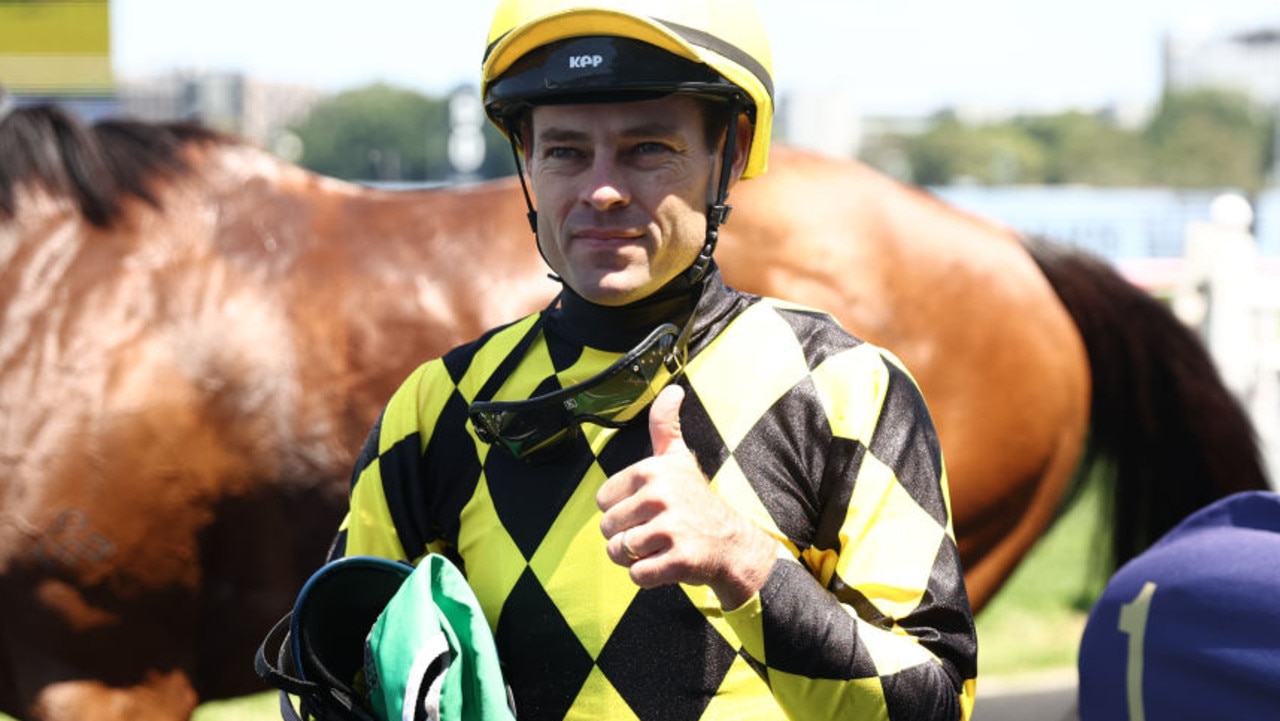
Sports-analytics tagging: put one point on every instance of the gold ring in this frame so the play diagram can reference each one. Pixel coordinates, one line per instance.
(626, 548)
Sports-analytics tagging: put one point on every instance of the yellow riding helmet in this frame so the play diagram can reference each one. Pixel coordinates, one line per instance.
(558, 51)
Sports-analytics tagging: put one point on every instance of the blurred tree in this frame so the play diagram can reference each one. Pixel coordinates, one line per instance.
(1205, 139)
(1083, 148)
(1209, 138)
(384, 133)
(374, 133)
(887, 152)
(951, 152)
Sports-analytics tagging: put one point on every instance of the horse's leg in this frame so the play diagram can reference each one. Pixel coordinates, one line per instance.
(70, 655)
(101, 586)
(1013, 417)
(995, 539)
(161, 696)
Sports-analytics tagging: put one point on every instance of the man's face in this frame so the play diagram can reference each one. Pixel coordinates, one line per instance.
(622, 191)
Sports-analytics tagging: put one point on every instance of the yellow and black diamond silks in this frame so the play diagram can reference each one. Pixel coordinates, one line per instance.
(820, 439)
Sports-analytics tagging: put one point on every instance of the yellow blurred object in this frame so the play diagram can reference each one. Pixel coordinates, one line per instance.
(55, 47)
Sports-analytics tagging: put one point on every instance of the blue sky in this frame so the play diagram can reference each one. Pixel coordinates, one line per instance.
(908, 57)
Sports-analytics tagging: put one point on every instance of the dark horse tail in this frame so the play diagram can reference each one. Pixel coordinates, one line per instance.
(1172, 437)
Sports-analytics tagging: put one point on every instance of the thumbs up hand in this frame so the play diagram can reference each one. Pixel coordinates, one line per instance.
(664, 422)
(664, 522)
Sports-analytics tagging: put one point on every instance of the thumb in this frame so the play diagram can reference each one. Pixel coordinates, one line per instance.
(664, 421)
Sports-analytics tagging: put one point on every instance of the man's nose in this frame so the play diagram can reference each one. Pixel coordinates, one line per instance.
(606, 184)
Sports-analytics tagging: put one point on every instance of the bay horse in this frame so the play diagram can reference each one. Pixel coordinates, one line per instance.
(195, 337)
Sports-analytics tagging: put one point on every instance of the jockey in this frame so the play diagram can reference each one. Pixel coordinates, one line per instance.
(670, 498)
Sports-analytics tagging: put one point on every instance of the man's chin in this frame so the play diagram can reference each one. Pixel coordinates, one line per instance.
(614, 289)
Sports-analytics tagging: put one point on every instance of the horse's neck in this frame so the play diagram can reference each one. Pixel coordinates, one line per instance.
(38, 247)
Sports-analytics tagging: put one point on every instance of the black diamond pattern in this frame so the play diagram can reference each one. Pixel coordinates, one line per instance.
(906, 694)
(844, 461)
(563, 353)
(457, 361)
(701, 435)
(630, 443)
(529, 496)
(648, 659)
(783, 451)
(953, 630)
(368, 450)
(902, 446)
(543, 661)
(804, 634)
(453, 468)
(816, 335)
(401, 467)
(663, 658)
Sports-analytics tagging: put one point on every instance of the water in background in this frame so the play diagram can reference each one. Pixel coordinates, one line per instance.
(1116, 223)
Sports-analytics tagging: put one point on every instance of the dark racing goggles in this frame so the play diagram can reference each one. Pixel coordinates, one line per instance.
(536, 428)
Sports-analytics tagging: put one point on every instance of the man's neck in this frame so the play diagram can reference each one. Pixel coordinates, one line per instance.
(619, 328)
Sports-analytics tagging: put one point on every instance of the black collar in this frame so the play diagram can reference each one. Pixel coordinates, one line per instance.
(619, 328)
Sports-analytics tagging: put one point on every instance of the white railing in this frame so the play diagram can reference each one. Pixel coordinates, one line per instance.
(1232, 297)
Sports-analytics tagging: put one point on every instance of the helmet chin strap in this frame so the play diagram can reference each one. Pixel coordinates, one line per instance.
(717, 211)
(532, 215)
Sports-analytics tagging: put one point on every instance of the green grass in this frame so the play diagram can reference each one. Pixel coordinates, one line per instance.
(258, 707)
(1034, 622)
(1032, 625)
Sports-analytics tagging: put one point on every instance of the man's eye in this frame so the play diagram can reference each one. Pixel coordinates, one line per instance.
(562, 152)
(650, 148)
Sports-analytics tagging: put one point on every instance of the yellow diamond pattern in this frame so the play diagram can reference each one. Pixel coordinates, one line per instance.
(879, 563)
(575, 571)
(490, 554)
(733, 411)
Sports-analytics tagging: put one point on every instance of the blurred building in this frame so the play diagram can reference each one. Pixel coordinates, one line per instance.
(232, 102)
(826, 122)
(58, 52)
(1246, 60)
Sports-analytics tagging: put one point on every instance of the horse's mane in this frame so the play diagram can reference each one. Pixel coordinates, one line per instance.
(98, 166)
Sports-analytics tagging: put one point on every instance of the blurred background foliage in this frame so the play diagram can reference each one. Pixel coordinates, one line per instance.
(1204, 138)
(389, 134)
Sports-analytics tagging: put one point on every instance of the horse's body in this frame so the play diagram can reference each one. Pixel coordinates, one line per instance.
(186, 374)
